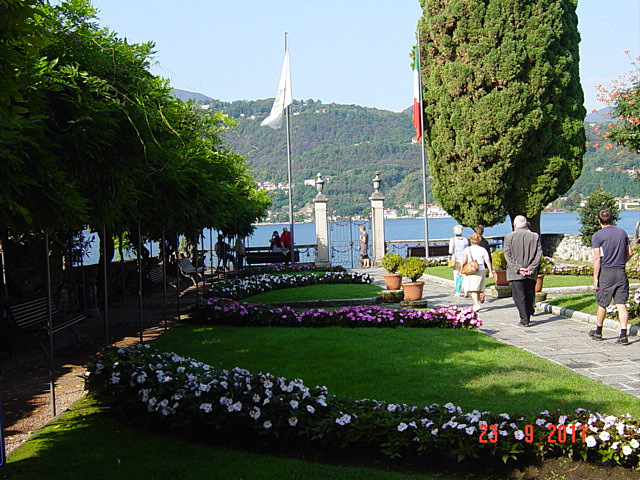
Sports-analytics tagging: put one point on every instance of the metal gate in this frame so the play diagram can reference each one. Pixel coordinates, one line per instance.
(344, 241)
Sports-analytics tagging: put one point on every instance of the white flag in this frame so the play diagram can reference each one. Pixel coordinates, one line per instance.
(283, 97)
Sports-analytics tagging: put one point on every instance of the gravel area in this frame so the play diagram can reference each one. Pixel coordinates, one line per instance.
(24, 372)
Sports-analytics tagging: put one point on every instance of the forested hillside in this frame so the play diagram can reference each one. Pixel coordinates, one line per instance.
(348, 143)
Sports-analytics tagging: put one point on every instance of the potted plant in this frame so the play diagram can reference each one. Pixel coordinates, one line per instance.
(391, 262)
(546, 266)
(499, 263)
(412, 268)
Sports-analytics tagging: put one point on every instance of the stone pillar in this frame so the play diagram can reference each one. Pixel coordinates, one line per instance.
(322, 226)
(377, 222)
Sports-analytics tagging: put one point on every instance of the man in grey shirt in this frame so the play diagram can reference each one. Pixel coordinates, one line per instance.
(523, 250)
(611, 252)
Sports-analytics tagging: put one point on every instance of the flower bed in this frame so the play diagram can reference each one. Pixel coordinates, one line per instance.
(245, 287)
(277, 269)
(222, 311)
(184, 395)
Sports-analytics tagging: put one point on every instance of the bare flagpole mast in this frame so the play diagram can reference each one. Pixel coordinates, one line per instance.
(291, 252)
(424, 161)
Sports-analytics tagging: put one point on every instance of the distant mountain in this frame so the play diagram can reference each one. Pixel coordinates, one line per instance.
(185, 95)
(600, 116)
(349, 143)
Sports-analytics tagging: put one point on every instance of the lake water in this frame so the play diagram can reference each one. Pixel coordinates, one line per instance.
(404, 229)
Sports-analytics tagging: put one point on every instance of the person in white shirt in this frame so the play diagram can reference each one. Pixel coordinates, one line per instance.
(474, 283)
(457, 244)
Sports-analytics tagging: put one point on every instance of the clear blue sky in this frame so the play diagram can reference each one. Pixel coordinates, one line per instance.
(342, 51)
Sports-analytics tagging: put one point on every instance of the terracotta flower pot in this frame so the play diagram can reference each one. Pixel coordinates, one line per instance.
(413, 291)
(539, 282)
(500, 277)
(392, 281)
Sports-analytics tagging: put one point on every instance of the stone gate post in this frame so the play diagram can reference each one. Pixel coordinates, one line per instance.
(322, 227)
(377, 221)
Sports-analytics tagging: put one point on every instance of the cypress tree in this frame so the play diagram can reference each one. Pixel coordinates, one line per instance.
(503, 105)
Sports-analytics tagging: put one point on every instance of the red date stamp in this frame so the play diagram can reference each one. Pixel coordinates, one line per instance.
(555, 433)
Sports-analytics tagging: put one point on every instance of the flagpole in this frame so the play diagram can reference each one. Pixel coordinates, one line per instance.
(424, 161)
(291, 252)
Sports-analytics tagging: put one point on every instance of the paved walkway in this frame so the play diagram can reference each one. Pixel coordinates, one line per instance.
(559, 339)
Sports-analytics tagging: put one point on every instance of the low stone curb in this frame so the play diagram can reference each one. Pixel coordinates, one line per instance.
(632, 331)
(347, 302)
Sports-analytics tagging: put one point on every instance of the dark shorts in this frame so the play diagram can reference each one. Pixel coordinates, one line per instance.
(612, 284)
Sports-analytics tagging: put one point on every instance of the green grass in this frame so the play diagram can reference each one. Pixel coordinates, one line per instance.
(415, 366)
(317, 292)
(87, 444)
(550, 281)
(584, 302)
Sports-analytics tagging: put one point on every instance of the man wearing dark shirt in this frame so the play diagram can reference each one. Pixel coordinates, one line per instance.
(611, 251)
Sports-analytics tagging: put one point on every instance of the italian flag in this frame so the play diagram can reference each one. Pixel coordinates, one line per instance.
(417, 113)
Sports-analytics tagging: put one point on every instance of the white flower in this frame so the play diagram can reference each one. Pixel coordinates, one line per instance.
(236, 407)
(255, 413)
(115, 378)
(310, 409)
(434, 432)
(402, 427)
(267, 424)
(615, 445)
(180, 369)
(635, 443)
(225, 401)
(294, 404)
(256, 398)
(604, 436)
(540, 422)
(293, 421)
(518, 434)
(562, 419)
(591, 441)
(344, 419)
(470, 430)
(392, 407)
(206, 407)
(620, 428)
(627, 450)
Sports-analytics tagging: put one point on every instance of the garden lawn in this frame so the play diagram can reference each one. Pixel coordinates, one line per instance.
(317, 292)
(87, 444)
(584, 302)
(413, 366)
(550, 281)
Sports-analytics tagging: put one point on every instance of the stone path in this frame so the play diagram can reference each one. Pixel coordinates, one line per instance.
(556, 338)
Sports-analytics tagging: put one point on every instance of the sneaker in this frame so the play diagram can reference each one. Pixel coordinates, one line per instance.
(595, 335)
(623, 340)
(524, 324)
(475, 308)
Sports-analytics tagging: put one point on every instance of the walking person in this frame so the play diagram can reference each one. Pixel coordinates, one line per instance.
(523, 251)
(611, 251)
(474, 282)
(457, 244)
(365, 261)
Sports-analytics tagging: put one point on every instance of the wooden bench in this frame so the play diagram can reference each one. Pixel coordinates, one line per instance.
(258, 255)
(434, 251)
(31, 317)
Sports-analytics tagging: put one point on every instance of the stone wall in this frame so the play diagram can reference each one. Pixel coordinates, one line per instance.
(565, 247)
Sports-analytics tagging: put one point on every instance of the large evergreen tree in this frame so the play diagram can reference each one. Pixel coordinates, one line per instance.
(503, 104)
